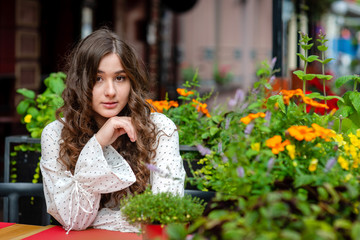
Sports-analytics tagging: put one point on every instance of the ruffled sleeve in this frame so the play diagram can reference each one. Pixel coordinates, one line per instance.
(170, 174)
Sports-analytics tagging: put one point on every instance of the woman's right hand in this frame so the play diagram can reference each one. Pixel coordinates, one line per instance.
(113, 128)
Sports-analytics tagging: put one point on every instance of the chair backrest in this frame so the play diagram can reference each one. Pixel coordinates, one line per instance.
(20, 193)
(204, 195)
(13, 191)
(8, 141)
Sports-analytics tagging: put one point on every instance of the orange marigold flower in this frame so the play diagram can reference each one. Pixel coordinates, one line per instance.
(261, 114)
(246, 120)
(159, 106)
(302, 133)
(201, 107)
(184, 92)
(314, 104)
(276, 145)
(287, 94)
(324, 133)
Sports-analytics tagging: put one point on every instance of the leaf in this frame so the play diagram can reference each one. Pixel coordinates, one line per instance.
(268, 86)
(348, 125)
(309, 76)
(345, 111)
(313, 95)
(26, 93)
(322, 48)
(217, 118)
(342, 224)
(260, 72)
(324, 77)
(328, 60)
(299, 73)
(301, 56)
(290, 234)
(321, 97)
(281, 104)
(355, 118)
(22, 107)
(342, 80)
(312, 58)
(33, 111)
(214, 130)
(333, 97)
(355, 100)
(57, 85)
(355, 231)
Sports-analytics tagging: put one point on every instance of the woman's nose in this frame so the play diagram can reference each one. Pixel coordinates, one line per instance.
(110, 88)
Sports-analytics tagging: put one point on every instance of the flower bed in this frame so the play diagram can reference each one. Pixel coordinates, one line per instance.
(284, 166)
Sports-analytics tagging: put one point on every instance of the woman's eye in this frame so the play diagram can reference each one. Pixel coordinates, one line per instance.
(98, 79)
(120, 78)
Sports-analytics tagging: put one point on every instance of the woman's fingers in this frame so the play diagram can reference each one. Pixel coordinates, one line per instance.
(124, 125)
(114, 128)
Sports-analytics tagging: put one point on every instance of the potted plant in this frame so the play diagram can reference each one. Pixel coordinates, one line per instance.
(155, 211)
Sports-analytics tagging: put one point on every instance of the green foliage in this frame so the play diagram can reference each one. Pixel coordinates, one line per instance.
(161, 208)
(350, 107)
(188, 73)
(307, 212)
(191, 114)
(304, 186)
(265, 74)
(38, 111)
(221, 75)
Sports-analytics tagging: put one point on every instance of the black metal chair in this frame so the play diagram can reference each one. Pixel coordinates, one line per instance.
(15, 194)
(206, 196)
(14, 191)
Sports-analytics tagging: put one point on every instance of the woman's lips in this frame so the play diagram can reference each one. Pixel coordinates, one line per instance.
(109, 105)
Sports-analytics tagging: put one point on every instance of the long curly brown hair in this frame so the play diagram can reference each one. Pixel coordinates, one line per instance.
(79, 123)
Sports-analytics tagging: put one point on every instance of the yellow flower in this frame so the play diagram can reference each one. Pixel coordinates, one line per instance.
(355, 162)
(348, 177)
(295, 163)
(313, 165)
(356, 207)
(358, 133)
(255, 146)
(354, 140)
(343, 163)
(27, 118)
(339, 139)
(291, 151)
(353, 151)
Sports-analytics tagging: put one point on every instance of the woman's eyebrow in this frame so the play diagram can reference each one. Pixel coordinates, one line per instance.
(117, 72)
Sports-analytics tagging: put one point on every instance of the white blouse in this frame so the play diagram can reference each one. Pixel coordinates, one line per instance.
(73, 200)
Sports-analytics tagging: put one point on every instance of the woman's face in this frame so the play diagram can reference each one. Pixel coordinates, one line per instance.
(111, 90)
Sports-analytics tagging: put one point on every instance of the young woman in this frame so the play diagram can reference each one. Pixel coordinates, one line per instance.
(101, 149)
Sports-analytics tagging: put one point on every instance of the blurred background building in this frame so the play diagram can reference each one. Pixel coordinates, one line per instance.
(174, 38)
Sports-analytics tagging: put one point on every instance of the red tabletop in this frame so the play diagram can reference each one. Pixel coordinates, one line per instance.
(24, 231)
